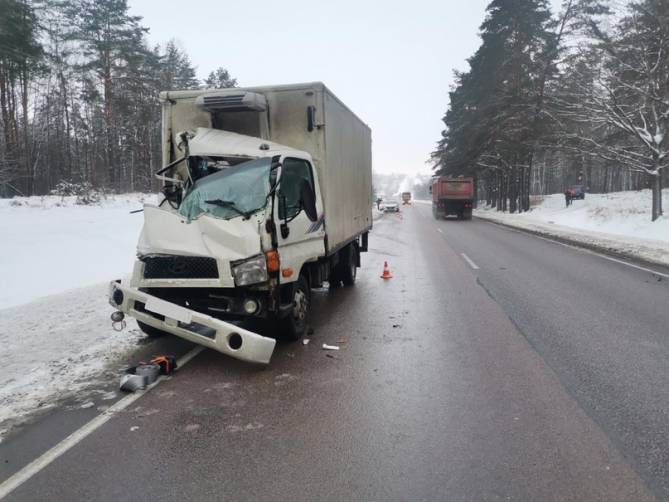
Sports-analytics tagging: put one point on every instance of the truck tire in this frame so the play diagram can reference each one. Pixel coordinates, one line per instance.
(347, 268)
(294, 326)
(150, 331)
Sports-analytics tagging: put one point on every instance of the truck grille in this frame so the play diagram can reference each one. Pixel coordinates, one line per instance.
(180, 267)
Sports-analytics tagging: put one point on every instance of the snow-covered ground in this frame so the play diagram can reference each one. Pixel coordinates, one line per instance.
(55, 262)
(51, 244)
(58, 347)
(618, 222)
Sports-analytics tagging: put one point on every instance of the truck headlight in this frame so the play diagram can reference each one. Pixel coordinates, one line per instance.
(250, 271)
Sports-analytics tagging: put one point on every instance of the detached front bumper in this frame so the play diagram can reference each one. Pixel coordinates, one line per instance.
(190, 325)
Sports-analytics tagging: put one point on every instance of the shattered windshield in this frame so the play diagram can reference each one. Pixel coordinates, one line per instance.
(236, 191)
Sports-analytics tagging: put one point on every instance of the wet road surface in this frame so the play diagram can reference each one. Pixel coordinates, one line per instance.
(493, 366)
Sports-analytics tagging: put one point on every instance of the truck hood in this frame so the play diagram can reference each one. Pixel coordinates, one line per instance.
(166, 232)
(217, 143)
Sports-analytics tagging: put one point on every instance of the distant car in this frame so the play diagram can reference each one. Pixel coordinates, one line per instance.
(391, 207)
(577, 191)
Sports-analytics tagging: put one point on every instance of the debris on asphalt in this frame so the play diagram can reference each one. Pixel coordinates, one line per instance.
(396, 325)
(342, 340)
(150, 371)
(131, 382)
(306, 341)
(144, 374)
(134, 428)
(330, 356)
(167, 364)
(330, 347)
(310, 331)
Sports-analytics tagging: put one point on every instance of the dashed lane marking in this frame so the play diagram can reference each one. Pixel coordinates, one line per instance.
(469, 261)
(17, 479)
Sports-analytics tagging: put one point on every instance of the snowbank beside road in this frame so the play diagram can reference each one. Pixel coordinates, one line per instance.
(55, 262)
(58, 347)
(51, 244)
(616, 222)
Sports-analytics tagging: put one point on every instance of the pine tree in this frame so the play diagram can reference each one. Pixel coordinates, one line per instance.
(20, 57)
(110, 36)
(491, 117)
(220, 79)
(177, 71)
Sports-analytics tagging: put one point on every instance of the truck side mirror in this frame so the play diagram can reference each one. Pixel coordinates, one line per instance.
(311, 118)
(308, 200)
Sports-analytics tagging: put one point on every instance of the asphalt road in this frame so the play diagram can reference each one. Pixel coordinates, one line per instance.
(494, 366)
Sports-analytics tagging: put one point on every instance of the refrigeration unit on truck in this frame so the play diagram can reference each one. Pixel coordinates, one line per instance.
(267, 193)
(452, 196)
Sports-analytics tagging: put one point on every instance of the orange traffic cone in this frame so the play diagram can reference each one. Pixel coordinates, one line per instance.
(386, 271)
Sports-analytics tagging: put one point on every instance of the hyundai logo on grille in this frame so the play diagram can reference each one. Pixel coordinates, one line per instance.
(178, 267)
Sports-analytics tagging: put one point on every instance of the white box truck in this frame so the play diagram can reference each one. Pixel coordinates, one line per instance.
(266, 194)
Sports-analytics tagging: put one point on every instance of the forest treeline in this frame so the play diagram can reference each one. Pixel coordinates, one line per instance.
(552, 100)
(79, 87)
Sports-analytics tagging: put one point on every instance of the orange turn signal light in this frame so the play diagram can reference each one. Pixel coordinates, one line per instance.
(287, 272)
(273, 262)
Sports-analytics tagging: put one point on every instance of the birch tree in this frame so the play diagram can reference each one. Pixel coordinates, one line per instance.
(626, 105)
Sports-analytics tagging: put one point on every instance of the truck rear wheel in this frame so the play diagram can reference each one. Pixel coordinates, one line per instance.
(294, 326)
(347, 268)
(150, 331)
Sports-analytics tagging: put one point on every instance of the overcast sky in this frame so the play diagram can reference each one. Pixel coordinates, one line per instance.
(391, 62)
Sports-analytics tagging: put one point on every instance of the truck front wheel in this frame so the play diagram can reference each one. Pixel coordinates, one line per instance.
(294, 326)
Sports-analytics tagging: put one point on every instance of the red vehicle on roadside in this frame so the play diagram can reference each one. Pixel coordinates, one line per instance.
(452, 196)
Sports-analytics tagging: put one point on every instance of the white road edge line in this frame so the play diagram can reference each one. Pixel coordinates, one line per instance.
(469, 260)
(20, 477)
(610, 258)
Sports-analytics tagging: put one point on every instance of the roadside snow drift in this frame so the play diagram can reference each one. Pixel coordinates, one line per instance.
(58, 347)
(55, 262)
(617, 222)
(51, 244)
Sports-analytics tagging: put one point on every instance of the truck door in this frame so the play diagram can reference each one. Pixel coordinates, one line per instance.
(300, 237)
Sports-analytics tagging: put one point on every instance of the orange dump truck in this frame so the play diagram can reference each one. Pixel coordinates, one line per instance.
(452, 196)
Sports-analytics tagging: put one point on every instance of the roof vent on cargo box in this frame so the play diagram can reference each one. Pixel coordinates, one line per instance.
(234, 101)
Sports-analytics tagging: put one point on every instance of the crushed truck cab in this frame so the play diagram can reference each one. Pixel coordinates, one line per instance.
(266, 194)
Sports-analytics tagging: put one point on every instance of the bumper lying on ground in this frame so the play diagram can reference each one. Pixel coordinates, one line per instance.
(190, 325)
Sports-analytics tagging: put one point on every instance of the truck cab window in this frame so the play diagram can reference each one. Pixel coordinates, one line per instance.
(292, 174)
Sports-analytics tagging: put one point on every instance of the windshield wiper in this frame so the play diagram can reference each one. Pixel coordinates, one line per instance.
(231, 205)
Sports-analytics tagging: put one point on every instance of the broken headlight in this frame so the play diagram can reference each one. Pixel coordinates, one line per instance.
(250, 271)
